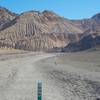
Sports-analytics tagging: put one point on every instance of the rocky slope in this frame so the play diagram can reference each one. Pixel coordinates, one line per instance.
(5, 17)
(90, 37)
(86, 42)
(91, 25)
(35, 30)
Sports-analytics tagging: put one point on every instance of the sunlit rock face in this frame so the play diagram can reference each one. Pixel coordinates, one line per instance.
(85, 43)
(36, 30)
(43, 31)
(90, 25)
(5, 17)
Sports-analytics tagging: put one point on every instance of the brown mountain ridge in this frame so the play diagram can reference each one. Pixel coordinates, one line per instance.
(36, 31)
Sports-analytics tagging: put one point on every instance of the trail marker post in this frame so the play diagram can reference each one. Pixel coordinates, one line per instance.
(39, 91)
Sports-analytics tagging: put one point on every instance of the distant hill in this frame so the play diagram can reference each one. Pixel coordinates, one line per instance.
(91, 25)
(36, 30)
(5, 17)
(87, 42)
(42, 31)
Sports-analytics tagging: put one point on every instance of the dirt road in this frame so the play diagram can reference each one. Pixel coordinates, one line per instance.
(19, 76)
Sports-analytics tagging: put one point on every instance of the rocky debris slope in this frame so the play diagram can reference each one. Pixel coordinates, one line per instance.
(5, 17)
(91, 25)
(76, 79)
(35, 30)
(86, 42)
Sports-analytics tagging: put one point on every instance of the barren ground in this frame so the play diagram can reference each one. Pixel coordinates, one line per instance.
(72, 76)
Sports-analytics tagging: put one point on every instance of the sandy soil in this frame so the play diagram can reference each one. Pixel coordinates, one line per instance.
(75, 75)
(5, 51)
(18, 76)
(64, 76)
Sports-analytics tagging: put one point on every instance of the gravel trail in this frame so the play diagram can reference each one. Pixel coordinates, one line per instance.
(19, 77)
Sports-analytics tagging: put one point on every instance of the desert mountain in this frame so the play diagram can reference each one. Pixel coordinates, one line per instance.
(91, 25)
(5, 17)
(85, 43)
(36, 30)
